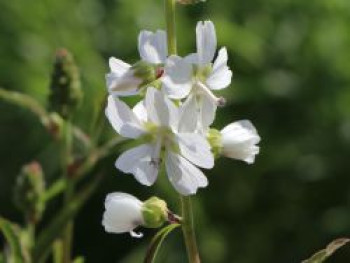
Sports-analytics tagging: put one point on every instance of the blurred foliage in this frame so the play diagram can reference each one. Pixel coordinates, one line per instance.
(291, 63)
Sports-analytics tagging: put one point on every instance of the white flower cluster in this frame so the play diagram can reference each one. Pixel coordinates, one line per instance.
(172, 123)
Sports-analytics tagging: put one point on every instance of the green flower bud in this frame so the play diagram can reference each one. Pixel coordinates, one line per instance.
(189, 2)
(214, 139)
(154, 212)
(66, 93)
(29, 191)
(145, 71)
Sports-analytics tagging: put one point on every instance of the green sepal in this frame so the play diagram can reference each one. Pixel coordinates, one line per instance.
(214, 139)
(154, 212)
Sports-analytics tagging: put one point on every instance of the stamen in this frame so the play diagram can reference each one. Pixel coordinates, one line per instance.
(155, 158)
(218, 101)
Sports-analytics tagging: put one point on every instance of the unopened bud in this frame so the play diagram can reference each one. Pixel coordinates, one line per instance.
(145, 71)
(29, 191)
(154, 212)
(189, 2)
(66, 92)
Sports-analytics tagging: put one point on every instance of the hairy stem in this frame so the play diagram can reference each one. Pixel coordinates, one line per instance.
(69, 191)
(187, 215)
(188, 230)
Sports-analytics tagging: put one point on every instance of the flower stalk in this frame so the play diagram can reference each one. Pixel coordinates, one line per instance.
(187, 222)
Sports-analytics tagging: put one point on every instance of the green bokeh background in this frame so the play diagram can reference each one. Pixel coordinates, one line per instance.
(291, 64)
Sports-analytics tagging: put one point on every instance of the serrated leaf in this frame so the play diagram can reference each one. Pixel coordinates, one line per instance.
(157, 242)
(323, 254)
(12, 234)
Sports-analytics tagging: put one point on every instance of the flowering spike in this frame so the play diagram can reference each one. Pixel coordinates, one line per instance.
(30, 190)
(66, 92)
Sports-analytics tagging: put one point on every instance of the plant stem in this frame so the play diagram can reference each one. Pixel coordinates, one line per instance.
(69, 191)
(170, 26)
(188, 230)
(186, 206)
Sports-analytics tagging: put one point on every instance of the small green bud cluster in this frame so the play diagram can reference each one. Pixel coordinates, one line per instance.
(66, 92)
(214, 139)
(154, 212)
(29, 191)
(190, 2)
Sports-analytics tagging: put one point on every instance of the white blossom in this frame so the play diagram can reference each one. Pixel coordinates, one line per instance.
(169, 136)
(123, 79)
(239, 141)
(195, 77)
(123, 213)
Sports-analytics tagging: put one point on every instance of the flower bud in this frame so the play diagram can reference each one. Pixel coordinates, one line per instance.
(238, 140)
(155, 212)
(124, 212)
(189, 2)
(145, 71)
(29, 191)
(66, 92)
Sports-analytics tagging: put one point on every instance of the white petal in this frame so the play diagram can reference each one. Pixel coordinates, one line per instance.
(184, 176)
(189, 114)
(139, 162)
(122, 213)
(140, 111)
(123, 85)
(206, 41)
(221, 75)
(177, 78)
(122, 118)
(207, 112)
(239, 141)
(118, 66)
(160, 110)
(192, 58)
(153, 46)
(196, 149)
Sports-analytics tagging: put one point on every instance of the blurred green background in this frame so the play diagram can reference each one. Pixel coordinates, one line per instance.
(291, 64)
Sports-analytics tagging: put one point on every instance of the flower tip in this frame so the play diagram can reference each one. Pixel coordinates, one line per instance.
(136, 235)
(221, 102)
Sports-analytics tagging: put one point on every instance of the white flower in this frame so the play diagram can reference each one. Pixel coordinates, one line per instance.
(123, 213)
(238, 141)
(124, 79)
(196, 77)
(169, 137)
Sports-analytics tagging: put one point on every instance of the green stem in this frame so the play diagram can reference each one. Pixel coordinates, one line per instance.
(188, 230)
(187, 215)
(170, 26)
(69, 191)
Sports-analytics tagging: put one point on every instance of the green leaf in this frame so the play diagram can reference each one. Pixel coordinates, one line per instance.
(157, 241)
(323, 254)
(56, 226)
(12, 234)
